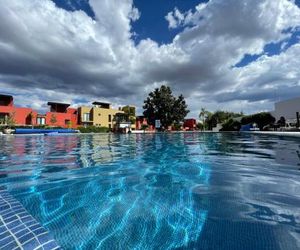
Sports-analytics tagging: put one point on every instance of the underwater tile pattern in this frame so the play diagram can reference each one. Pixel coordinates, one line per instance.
(19, 230)
(173, 191)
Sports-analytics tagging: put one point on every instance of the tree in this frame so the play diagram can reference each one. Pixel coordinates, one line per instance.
(10, 121)
(53, 119)
(162, 105)
(130, 111)
(221, 117)
(203, 115)
(261, 119)
(281, 122)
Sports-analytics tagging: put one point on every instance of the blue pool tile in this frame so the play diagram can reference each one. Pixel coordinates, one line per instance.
(50, 245)
(34, 227)
(22, 232)
(4, 234)
(44, 238)
(18, 229)
(32, 244)
(11, 245)
(13, 224)
(6, 240)
(2, 229)
(8, 215)
(4, 207)
(26, 237)
(27, 219)
(10, 219)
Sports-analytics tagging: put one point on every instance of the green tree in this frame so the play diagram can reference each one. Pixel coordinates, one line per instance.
(162, 105)
(203, 116)
(10, 121)
(53, 119)
(130, 111)
(261, 119)
(221, 117)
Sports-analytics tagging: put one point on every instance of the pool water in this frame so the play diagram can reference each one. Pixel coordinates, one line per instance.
(159, 191)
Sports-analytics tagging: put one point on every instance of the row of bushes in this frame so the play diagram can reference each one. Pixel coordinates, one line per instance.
(261, 119)
(93, 129)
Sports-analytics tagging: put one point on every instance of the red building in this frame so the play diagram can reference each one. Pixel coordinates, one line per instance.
(61, 115)
(189, 124)
(18, 116)
(141, 122)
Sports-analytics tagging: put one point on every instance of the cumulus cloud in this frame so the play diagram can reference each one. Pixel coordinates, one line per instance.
(46, 49)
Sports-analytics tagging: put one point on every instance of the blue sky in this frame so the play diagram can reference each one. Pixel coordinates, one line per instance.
(231, 55)
(152, 23)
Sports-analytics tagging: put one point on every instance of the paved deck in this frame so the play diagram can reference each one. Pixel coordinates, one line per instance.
(280, 133)
(19, 230)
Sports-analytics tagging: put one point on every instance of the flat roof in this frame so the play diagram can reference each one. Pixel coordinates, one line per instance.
(58, 103)
(101, 103)
(7, 96)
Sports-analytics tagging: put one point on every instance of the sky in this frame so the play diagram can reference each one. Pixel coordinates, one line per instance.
(231, 55)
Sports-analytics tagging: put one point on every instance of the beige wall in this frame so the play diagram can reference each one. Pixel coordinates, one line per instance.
(98, 116)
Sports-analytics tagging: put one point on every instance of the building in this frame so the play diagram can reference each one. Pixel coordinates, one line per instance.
(60, 115)
(11, 115)
(141, 123)
(287, 109)
(100, 115)
(190, 124)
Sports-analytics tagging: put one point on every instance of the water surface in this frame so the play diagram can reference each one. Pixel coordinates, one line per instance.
(159, 191)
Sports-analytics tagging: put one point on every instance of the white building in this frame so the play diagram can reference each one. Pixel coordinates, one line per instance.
(288, 109)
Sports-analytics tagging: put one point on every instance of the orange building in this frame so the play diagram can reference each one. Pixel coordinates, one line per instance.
(11, 114)
(61, 115)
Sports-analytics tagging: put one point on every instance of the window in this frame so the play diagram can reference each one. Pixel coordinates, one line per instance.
(109, 118)
(40, 121)
(86, 117)
(67, 122)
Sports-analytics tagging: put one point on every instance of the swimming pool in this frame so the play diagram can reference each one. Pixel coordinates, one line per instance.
(158, 191)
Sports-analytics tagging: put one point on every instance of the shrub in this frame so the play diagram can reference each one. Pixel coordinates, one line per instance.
(93, 129)
(261, 119)
(231, 125)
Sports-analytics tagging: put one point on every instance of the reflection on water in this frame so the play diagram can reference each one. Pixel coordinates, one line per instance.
(159, 191)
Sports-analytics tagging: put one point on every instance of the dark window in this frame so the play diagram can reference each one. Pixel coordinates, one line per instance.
(109, 118)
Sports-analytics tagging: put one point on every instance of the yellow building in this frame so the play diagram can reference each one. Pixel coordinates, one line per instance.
(100, 115)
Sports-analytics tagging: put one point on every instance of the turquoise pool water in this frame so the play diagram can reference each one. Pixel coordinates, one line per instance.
(160, 191)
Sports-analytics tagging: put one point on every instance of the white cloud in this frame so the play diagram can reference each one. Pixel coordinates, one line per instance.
(46, 49)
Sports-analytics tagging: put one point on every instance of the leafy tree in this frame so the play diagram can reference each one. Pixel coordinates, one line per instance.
(231, 125)
(261, 119)
(162, 105)
(281, 122)
(221, 117)
(53, 119)
(203, 116)
(10, 121)
(130, 111)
